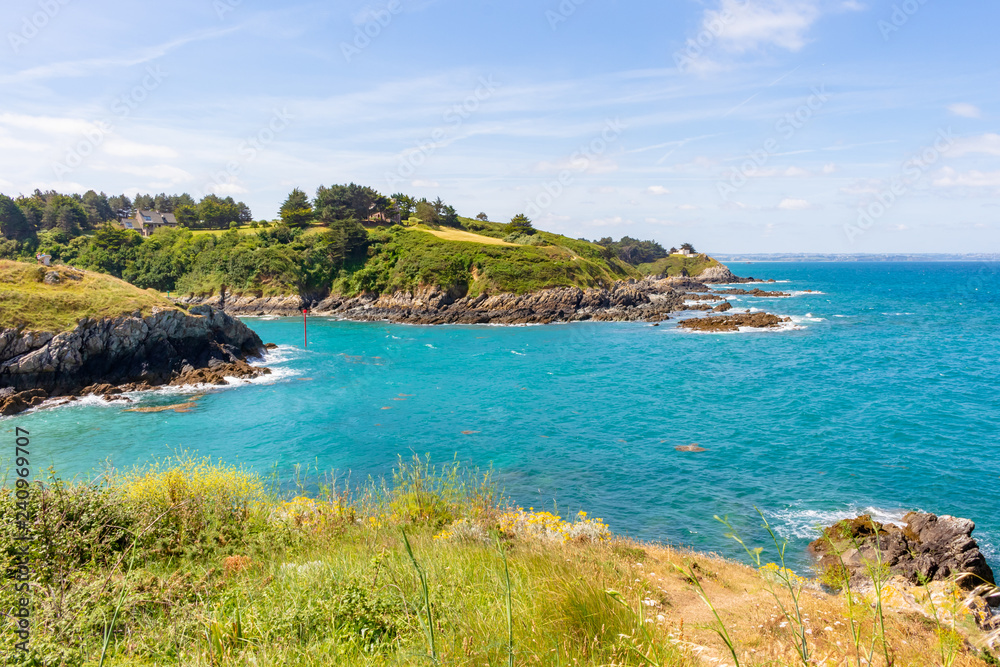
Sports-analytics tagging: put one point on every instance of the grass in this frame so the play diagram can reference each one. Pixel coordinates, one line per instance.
(406, 259)
(675, 265)
(197, 563)
(452, 234)
(25, 300)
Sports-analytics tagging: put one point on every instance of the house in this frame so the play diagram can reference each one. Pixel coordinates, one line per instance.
(43, 259)
(147, 222)
(684, 252)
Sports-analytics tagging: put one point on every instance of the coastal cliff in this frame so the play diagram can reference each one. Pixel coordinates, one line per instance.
(653, 299)
(142, 348)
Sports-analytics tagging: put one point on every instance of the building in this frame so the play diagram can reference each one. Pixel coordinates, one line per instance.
(685, 252)
(147, 222)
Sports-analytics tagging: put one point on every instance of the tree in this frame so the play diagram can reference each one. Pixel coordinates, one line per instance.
(297, 211)
(688, 247)
(483, 217)
(64, 213)
(673, 251)
(187, 216)
(405, 205)
(13, 223)
(426, 212)
(520, 224)
(144, 202)
(98, 208)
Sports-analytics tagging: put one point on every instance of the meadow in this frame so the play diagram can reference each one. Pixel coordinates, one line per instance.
(194, 562)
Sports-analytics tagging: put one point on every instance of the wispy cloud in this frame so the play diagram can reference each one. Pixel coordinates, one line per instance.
(83, 68)
(965, 110)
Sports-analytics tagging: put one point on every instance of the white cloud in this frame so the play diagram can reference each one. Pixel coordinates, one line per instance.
(988, 144)
(688, 207)
(744, 26)
(793, 205)
(425, 184)
(965, 110)
(124, 148)
(160, 175)
(657, 190)
(829, 168)
(796, 171)
(949, 178)
(227, 189)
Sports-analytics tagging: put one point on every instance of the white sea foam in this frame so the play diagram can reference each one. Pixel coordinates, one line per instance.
(806, 293)
(520, 354)
(808, 317)
(807, 523)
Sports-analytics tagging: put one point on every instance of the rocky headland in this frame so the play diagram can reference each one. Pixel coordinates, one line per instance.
(653, 299)
(113, 355)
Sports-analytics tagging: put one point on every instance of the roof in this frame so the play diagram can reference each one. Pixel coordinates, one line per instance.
(157, 218)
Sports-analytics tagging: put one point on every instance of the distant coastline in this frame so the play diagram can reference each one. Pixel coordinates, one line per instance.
(821, 257)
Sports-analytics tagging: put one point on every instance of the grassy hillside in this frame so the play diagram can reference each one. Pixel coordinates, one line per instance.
(25, 299)
(675, 265)
(475, 260)
(195, 563)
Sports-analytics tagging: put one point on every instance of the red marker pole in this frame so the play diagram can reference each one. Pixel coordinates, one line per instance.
(305, 328)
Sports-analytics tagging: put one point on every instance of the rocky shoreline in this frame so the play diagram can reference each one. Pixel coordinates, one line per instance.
(113, 356)
(927, 549)
(653, 299)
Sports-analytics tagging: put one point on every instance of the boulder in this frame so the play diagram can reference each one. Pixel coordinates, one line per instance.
(928, 548)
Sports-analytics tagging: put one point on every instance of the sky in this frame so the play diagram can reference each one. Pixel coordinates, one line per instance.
(740, 126)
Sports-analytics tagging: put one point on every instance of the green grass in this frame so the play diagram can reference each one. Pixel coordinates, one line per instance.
(406, 259)
(674, 265)
(25, 300)
(194, 562)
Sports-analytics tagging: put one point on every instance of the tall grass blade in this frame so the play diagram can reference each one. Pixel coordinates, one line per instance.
(427, 598)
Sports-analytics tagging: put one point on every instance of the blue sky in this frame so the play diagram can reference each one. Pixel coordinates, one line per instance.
(736, 125)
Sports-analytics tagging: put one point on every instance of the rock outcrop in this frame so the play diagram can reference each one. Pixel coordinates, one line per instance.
(647, 300)
(928, 548)
(720, 274)
(135, 351)
(730, 323)
(756, 291)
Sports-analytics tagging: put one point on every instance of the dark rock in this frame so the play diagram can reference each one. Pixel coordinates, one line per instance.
(927, 548)
(18, 402)
(129, 353)
(723, 307)
(756, 291)
(729, 323)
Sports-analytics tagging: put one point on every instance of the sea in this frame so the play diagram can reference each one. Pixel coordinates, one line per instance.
(880, 397)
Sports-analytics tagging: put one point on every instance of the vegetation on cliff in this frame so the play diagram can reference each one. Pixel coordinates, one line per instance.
(196, 563)
(349, 239)
(55, 298)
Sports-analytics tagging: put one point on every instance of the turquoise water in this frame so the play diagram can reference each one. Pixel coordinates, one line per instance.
(883, 395)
